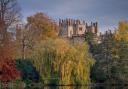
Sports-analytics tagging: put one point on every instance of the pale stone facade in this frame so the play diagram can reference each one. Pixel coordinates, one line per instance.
(75, 30)
(70, 28)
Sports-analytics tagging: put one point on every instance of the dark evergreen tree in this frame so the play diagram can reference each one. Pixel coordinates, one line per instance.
(28, 71)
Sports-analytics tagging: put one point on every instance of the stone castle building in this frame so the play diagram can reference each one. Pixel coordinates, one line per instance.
(75, 29)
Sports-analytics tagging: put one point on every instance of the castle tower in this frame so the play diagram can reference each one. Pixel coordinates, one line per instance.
(70, 28)
(96, 27)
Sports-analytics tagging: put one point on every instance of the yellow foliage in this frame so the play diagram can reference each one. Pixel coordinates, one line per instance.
(71, 62)
(122, 31)
(43, 26)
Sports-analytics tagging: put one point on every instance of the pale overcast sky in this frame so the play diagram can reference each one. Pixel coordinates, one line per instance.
(106, 12)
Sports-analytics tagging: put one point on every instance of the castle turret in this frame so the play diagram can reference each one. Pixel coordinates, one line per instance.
(70, 27)
(96, 27)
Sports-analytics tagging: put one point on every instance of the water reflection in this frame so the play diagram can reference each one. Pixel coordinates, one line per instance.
(70, 87)
(62, 87)
(82, 87)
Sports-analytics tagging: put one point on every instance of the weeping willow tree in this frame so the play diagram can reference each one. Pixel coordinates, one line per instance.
(58, 59)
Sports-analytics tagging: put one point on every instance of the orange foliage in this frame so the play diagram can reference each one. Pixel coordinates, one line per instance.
(43, 26)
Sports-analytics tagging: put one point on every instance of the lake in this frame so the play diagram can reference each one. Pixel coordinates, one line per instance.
(80, 87)
(40, 86)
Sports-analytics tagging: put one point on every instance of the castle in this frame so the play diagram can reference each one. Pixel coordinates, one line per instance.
(75, 29)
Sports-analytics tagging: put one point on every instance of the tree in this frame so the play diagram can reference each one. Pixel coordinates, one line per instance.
(8, 71)
(66, 63)
(122, 31)
(9, 14)
(29, 72)
(89, 38)
(43, 26)
(39, 27)
(112, 61)
(24, 42)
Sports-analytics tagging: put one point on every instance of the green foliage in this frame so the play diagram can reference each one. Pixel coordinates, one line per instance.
(70, 64)
(89, 37)
(112, 62)
(29, 73)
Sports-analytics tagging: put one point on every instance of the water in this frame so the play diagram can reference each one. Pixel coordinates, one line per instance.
(40, 86)
(80, 87)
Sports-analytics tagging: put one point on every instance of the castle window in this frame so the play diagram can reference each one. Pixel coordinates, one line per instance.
(80, 29)
(71, 33)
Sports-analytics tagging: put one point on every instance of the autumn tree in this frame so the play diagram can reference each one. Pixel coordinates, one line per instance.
(8, 71)
(62, 63)
(23, 41)
(9, 14)
(39, 27)
(122, 31)
(42, 26)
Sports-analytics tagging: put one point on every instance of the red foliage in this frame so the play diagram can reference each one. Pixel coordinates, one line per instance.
(8, 70)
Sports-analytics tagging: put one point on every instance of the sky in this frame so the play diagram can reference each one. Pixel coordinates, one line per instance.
(106, 12)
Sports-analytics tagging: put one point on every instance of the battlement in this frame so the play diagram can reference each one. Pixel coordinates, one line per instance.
(69, 22)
